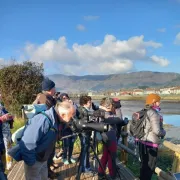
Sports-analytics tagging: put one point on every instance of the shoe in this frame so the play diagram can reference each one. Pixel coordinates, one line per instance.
(101, 176)
(72, 161)
(65, 161)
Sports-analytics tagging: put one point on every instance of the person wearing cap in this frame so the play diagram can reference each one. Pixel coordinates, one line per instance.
(47, 97)
(48, 91)
(154, 132)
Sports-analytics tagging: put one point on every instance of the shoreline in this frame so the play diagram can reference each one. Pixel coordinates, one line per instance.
(168, 98)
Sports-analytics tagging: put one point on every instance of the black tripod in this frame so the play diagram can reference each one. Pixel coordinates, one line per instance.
(81, 160)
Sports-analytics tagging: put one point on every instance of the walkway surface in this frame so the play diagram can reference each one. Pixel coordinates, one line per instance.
(68, 172)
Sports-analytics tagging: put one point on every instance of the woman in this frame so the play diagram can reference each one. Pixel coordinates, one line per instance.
(110, 146)
(154, 132)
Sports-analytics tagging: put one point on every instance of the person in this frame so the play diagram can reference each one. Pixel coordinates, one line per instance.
(39, 139)
(83, 109)
(117, 109)
(46, 96)
(154, 132)
(3, 119)
(68, 143)
(110, 146)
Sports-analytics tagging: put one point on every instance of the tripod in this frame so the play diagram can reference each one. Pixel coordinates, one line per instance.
(81, 159)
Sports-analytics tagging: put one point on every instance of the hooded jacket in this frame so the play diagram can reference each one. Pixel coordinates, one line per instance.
(39, 138)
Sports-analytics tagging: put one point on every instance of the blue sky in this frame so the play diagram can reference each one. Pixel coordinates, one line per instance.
(31, 29)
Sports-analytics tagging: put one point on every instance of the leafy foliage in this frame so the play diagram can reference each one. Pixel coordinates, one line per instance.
(19, 83)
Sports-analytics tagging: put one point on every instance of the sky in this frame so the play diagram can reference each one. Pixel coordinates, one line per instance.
(78, 37)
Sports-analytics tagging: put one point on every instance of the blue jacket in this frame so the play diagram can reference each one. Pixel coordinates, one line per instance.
(39, 138)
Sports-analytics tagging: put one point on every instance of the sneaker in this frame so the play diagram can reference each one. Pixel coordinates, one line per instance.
(65, 161)
(72, 161)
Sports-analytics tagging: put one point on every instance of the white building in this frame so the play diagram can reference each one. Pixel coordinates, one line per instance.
(138, 92)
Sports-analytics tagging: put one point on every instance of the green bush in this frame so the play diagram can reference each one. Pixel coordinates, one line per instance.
(19, 83)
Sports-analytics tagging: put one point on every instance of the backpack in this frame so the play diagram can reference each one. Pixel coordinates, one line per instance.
(30, 111)
(137, 125)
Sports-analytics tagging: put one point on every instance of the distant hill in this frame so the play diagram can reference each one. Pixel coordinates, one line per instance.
(115, 81)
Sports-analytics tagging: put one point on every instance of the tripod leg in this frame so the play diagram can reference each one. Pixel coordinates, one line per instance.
(92, 147)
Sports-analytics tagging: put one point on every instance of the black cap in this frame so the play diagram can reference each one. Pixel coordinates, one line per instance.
(47, 84)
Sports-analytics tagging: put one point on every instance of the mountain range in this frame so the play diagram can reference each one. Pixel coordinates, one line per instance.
(66, 83)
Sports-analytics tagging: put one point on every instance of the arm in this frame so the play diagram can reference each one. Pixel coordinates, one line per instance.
(154, 119)
(36, 129)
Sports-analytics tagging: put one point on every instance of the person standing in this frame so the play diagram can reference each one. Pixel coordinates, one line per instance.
(154, 132)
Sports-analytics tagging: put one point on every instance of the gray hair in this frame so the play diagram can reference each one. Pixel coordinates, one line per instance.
(64, 107)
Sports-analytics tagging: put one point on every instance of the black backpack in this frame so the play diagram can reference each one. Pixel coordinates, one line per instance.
(137, 124)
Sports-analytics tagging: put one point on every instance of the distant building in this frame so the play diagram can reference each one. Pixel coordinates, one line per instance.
(149, 91)
(138, 92)
(175, 90)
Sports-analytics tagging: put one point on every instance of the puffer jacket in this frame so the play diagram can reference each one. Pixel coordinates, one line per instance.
(153, 127)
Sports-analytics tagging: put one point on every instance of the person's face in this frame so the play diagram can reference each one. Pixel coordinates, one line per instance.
(88, 105)
(157, 104)
(65, 98)
(52, 91)
(66, 117)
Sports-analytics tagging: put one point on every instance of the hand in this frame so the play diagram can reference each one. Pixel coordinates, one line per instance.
(126, 121)
(6, 117)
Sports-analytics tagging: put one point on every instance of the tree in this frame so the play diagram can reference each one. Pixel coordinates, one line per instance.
(19, 83)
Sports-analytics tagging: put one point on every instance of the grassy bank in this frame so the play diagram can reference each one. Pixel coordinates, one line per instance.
(168, 98)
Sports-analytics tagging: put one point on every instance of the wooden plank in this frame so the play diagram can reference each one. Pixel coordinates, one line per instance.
(172, 146)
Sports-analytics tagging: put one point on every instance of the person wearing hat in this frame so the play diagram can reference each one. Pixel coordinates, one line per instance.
(47, 97)
(154, 132)
(48, 91)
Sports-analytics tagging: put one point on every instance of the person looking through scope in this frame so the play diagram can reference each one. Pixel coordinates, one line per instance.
(110, 144)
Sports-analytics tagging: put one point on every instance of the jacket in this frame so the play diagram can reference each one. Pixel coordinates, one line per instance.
(39, 138)
(153, 127)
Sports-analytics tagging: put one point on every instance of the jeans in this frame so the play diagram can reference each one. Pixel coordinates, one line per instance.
(85, 152)
(68, 145)
(38, 171)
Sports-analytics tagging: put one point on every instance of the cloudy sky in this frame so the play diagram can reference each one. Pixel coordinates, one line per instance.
(78, 37)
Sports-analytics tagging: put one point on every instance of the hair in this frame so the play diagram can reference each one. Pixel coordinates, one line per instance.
(106, 102)
(84, 100)
(64, 107)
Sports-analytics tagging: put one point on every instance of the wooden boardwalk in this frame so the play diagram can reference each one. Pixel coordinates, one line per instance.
(68, 172)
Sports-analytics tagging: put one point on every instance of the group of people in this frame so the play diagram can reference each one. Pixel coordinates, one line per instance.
(37, 145)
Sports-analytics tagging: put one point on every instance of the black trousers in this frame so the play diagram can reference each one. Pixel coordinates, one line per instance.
(148, 156)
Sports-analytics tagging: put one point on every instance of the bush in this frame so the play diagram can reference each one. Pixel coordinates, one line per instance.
(19, 83)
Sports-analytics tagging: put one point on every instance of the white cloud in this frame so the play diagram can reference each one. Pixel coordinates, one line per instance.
(110, 56)
(177, 39)
(162, 30)
(80, 27)
(91, 18)
(160, 60)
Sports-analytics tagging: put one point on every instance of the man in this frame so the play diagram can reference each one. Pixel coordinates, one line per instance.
(48, 91)
(46, 97)
(39, 139)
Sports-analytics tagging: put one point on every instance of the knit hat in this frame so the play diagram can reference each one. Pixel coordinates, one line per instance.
(47, 84)
(62, 95)
(152, 98)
